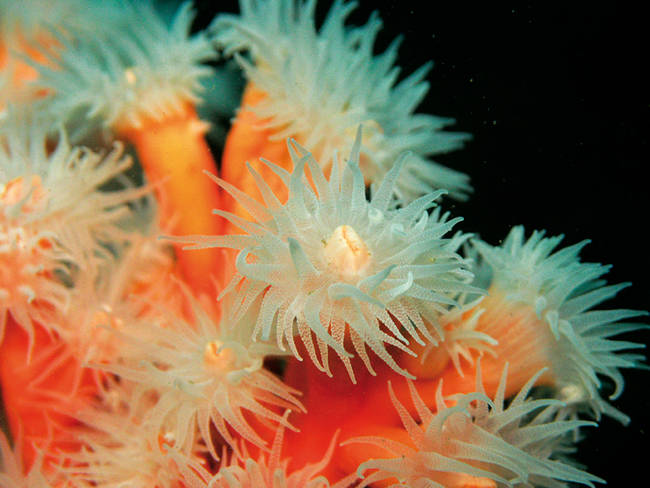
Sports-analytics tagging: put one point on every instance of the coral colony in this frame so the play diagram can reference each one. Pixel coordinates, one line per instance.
(303, 313)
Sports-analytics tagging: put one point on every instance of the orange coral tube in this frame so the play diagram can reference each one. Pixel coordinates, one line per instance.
(524, 342)
(362, 409)
(247, 142)
(41, 395)
(174, 155)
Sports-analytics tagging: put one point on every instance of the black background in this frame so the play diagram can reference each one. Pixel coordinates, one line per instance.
(557, 102)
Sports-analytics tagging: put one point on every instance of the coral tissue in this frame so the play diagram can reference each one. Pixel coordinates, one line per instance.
(303, 310)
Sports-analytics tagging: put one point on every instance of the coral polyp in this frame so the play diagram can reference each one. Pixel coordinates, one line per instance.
(321, 93)
(47, 234)
(295, 290)
(478, 441)
(557, 292)
(152, 70)
(331, 263)
(203, 376)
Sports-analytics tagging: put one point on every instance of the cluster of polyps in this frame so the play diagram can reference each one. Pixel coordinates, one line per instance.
(279, 343)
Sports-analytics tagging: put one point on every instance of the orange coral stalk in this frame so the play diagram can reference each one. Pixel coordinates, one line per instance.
(248, 141)
(524, 342)
(357, 409)
(174, 155)
(41, 395)
(331, 405)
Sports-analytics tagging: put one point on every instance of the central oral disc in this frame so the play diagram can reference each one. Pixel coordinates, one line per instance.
(346, 253)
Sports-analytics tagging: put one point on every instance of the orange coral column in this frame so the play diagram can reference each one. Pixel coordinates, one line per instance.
(361, 409)
(42, 387)
(174, 155)
(524, 341)
(247, 142)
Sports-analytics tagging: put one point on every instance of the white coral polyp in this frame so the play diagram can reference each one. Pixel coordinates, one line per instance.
(28, 289)
(149, 71)
(120, 448)
(478, 442)
(268, 471)
(119, 451)
(47, 231)
(330, 263)
(119, 296)
(203, 375)
(321, 84)
(562, 291)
